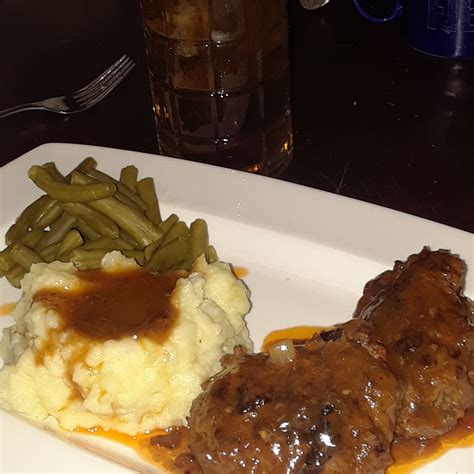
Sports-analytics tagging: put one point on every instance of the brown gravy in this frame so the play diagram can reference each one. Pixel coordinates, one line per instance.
(108, 305)
(111, 305)
(408, 455)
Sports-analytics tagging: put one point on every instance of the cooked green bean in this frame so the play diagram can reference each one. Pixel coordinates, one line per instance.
(89, 214)
(6, 260)
(58, 231)
(167, 224)
(137, 225)
(138, 256)
(95, 220)
(72, 240)
(25, 219)
(15, 275)
(50, 167)
(128, 202)
(128, 176)
(122, 188)
(106, 243)
(149, 250)
(24, 256)
(180, 229)
(146, 190)
(84, 165)
(198, 241)
(88, 259)
(69, 192)
(31, 238)
(46, 218)
(129, 239)
(86, 231)
(211, 254)
(48, 254)
(170, 255)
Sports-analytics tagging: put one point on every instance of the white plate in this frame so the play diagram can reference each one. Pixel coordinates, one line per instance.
(308, 253)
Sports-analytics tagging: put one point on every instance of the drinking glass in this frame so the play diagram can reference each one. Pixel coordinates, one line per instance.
(219, 74)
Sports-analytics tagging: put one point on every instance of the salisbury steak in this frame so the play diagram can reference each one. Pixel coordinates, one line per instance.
(329, 409)
(418, 313)
(402, 368)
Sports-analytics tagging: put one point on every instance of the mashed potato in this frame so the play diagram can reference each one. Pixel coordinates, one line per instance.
(128, 384)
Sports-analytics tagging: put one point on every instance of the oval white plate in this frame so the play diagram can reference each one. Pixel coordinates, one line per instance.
(308, 253)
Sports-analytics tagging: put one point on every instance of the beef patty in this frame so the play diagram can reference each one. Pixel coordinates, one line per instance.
(330, 409)
(418, 313)
(403, 367)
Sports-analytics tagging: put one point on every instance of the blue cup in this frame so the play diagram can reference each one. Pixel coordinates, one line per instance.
(442, 28)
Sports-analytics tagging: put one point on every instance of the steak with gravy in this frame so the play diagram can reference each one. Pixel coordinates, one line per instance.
(418, 313)
(331, 409)
(401, 368)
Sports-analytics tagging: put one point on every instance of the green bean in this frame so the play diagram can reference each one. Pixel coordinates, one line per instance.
(95, 220)
(31, 238)
(129, 239)
(69, 192)
(85, 165)
(48, 254)
(47, 203)
(138, 256)
(180, 229)
(25, 219)
(170, 255)
(88, 259)
(167, 224)
(131, 221)
(6, 260)
(50, 167)
(86, 232)
(198, 241)
(106, 243)
(149, 250)
(146, 190)
(165, 227)
(211, 254)
(24, 256)
(128, 176)
(58, 231)
(128, 202)
(15, 275)
(72, 240)
(89, 214)
(46, 219)
(125, 190)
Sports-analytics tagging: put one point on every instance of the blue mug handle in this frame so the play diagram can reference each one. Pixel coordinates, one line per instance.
(391, 15)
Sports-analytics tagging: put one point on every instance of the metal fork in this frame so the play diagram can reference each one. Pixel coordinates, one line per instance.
(84, 98)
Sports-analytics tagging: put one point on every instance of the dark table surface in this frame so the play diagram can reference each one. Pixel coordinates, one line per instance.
(373, 119)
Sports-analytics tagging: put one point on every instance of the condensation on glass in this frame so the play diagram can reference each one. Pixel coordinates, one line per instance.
(220, 78)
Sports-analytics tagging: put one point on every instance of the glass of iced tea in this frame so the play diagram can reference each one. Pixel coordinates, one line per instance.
(219, 73)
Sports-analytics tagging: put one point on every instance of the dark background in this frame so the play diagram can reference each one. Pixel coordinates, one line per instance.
(373, 118)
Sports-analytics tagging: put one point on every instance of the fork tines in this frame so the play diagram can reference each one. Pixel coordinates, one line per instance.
(97, 89)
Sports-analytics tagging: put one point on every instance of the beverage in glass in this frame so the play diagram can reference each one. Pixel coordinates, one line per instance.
(219, 73)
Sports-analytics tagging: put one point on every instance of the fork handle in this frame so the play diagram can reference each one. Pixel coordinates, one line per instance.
(20, 108)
